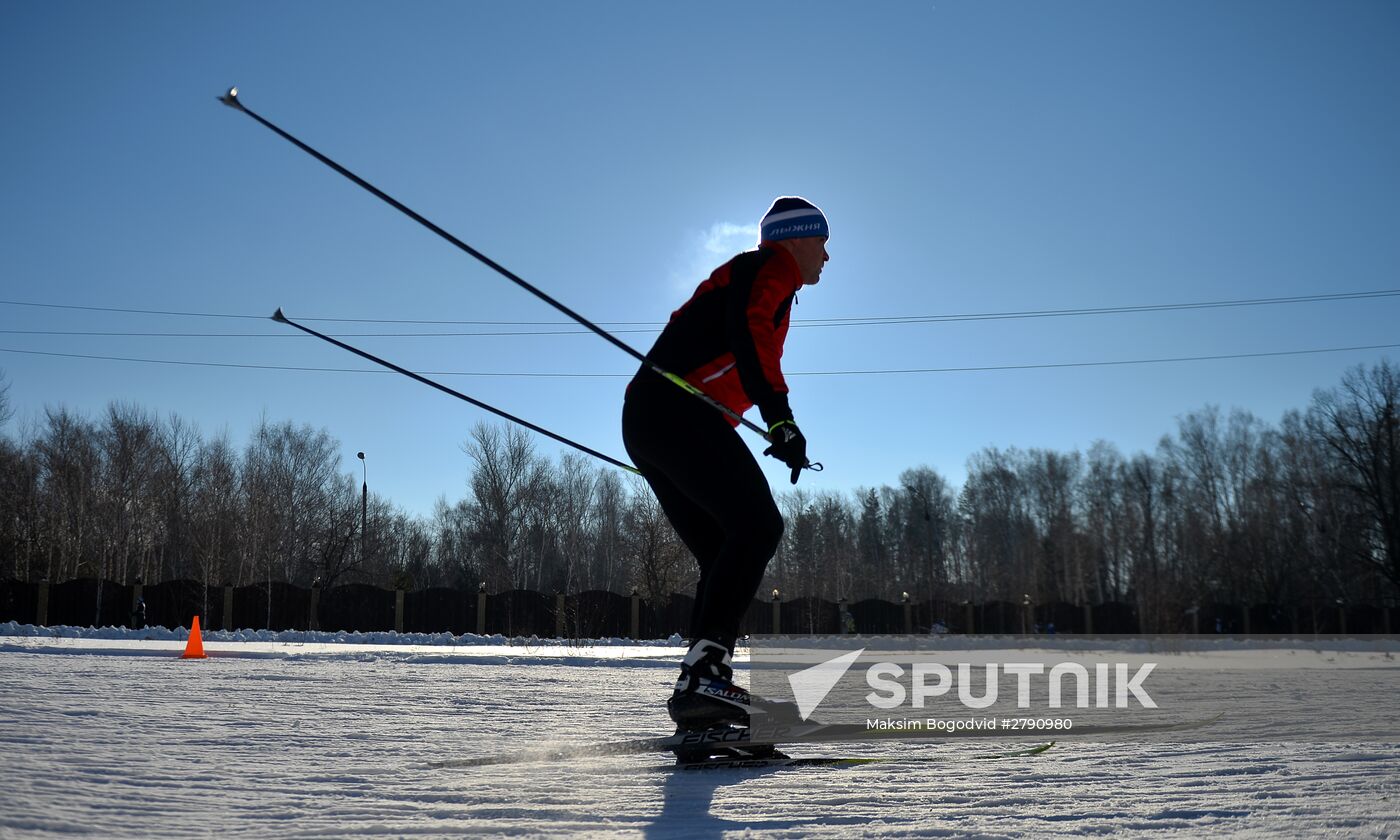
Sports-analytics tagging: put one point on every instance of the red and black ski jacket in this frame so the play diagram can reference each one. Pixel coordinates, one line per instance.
(727, 340)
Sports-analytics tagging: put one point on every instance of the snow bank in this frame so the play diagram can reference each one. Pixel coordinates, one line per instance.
(470, 648)
(339, 637)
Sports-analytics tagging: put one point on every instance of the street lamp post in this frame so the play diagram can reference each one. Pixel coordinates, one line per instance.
(364, 501)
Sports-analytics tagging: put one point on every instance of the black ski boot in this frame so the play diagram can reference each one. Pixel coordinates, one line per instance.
(706, 698)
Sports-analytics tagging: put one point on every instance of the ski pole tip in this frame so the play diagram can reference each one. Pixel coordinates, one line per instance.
(279, 317)
(231, 98)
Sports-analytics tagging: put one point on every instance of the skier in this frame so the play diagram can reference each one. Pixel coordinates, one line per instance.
(726, 340)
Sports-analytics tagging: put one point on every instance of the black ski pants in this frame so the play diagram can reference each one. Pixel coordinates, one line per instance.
(711, 488)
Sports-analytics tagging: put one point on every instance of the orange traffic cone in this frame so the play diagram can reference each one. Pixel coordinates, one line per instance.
(194, 648)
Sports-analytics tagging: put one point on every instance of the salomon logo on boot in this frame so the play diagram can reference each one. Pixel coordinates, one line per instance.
(705, 694)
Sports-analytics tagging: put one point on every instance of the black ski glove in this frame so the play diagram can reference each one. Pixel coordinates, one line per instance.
(788, 446)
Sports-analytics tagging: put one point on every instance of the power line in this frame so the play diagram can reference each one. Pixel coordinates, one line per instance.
(126, 311)
(1045, 366)
(246, 366)
(187, 363)
(874, 372)
(813, 322)
(1108, 310)
(122, 334)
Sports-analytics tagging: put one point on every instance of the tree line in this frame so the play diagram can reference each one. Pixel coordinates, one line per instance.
(1227, 509)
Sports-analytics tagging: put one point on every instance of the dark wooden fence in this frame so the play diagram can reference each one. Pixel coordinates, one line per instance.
(358, 607)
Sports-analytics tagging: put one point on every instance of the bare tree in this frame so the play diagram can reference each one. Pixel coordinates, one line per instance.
(402, 544)
(835, 546)
(1199, 453)
(605, 569)
(653, 548)
(215, 512)
(178, 449)
(6, 410)
(507, 486)
(927, 531)
(19, 508)
(127, 441)
(69, 462)
(1052, 484)
(1106, 524)
(873, 552)
(1359, 423)
(572, 514)
(455, 557)
(798, 560)
(999, 533)
(300, 511)
(1148, 496)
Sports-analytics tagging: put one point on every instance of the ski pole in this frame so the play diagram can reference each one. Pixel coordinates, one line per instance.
(283, 319)
(231, 99)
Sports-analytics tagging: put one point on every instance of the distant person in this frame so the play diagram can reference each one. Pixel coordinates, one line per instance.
(727, 340)
(138, 615)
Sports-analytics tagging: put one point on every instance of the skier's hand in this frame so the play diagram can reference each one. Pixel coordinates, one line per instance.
(788, 446)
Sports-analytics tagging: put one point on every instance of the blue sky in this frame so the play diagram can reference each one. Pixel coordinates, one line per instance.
(972, 158)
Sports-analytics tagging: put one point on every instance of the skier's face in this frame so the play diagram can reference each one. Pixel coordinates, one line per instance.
(811, 256)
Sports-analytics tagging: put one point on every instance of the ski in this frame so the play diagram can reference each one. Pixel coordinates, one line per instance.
(837, 761)
(772, 734)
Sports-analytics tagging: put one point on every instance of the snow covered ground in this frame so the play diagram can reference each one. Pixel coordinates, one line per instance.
(110, 734)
